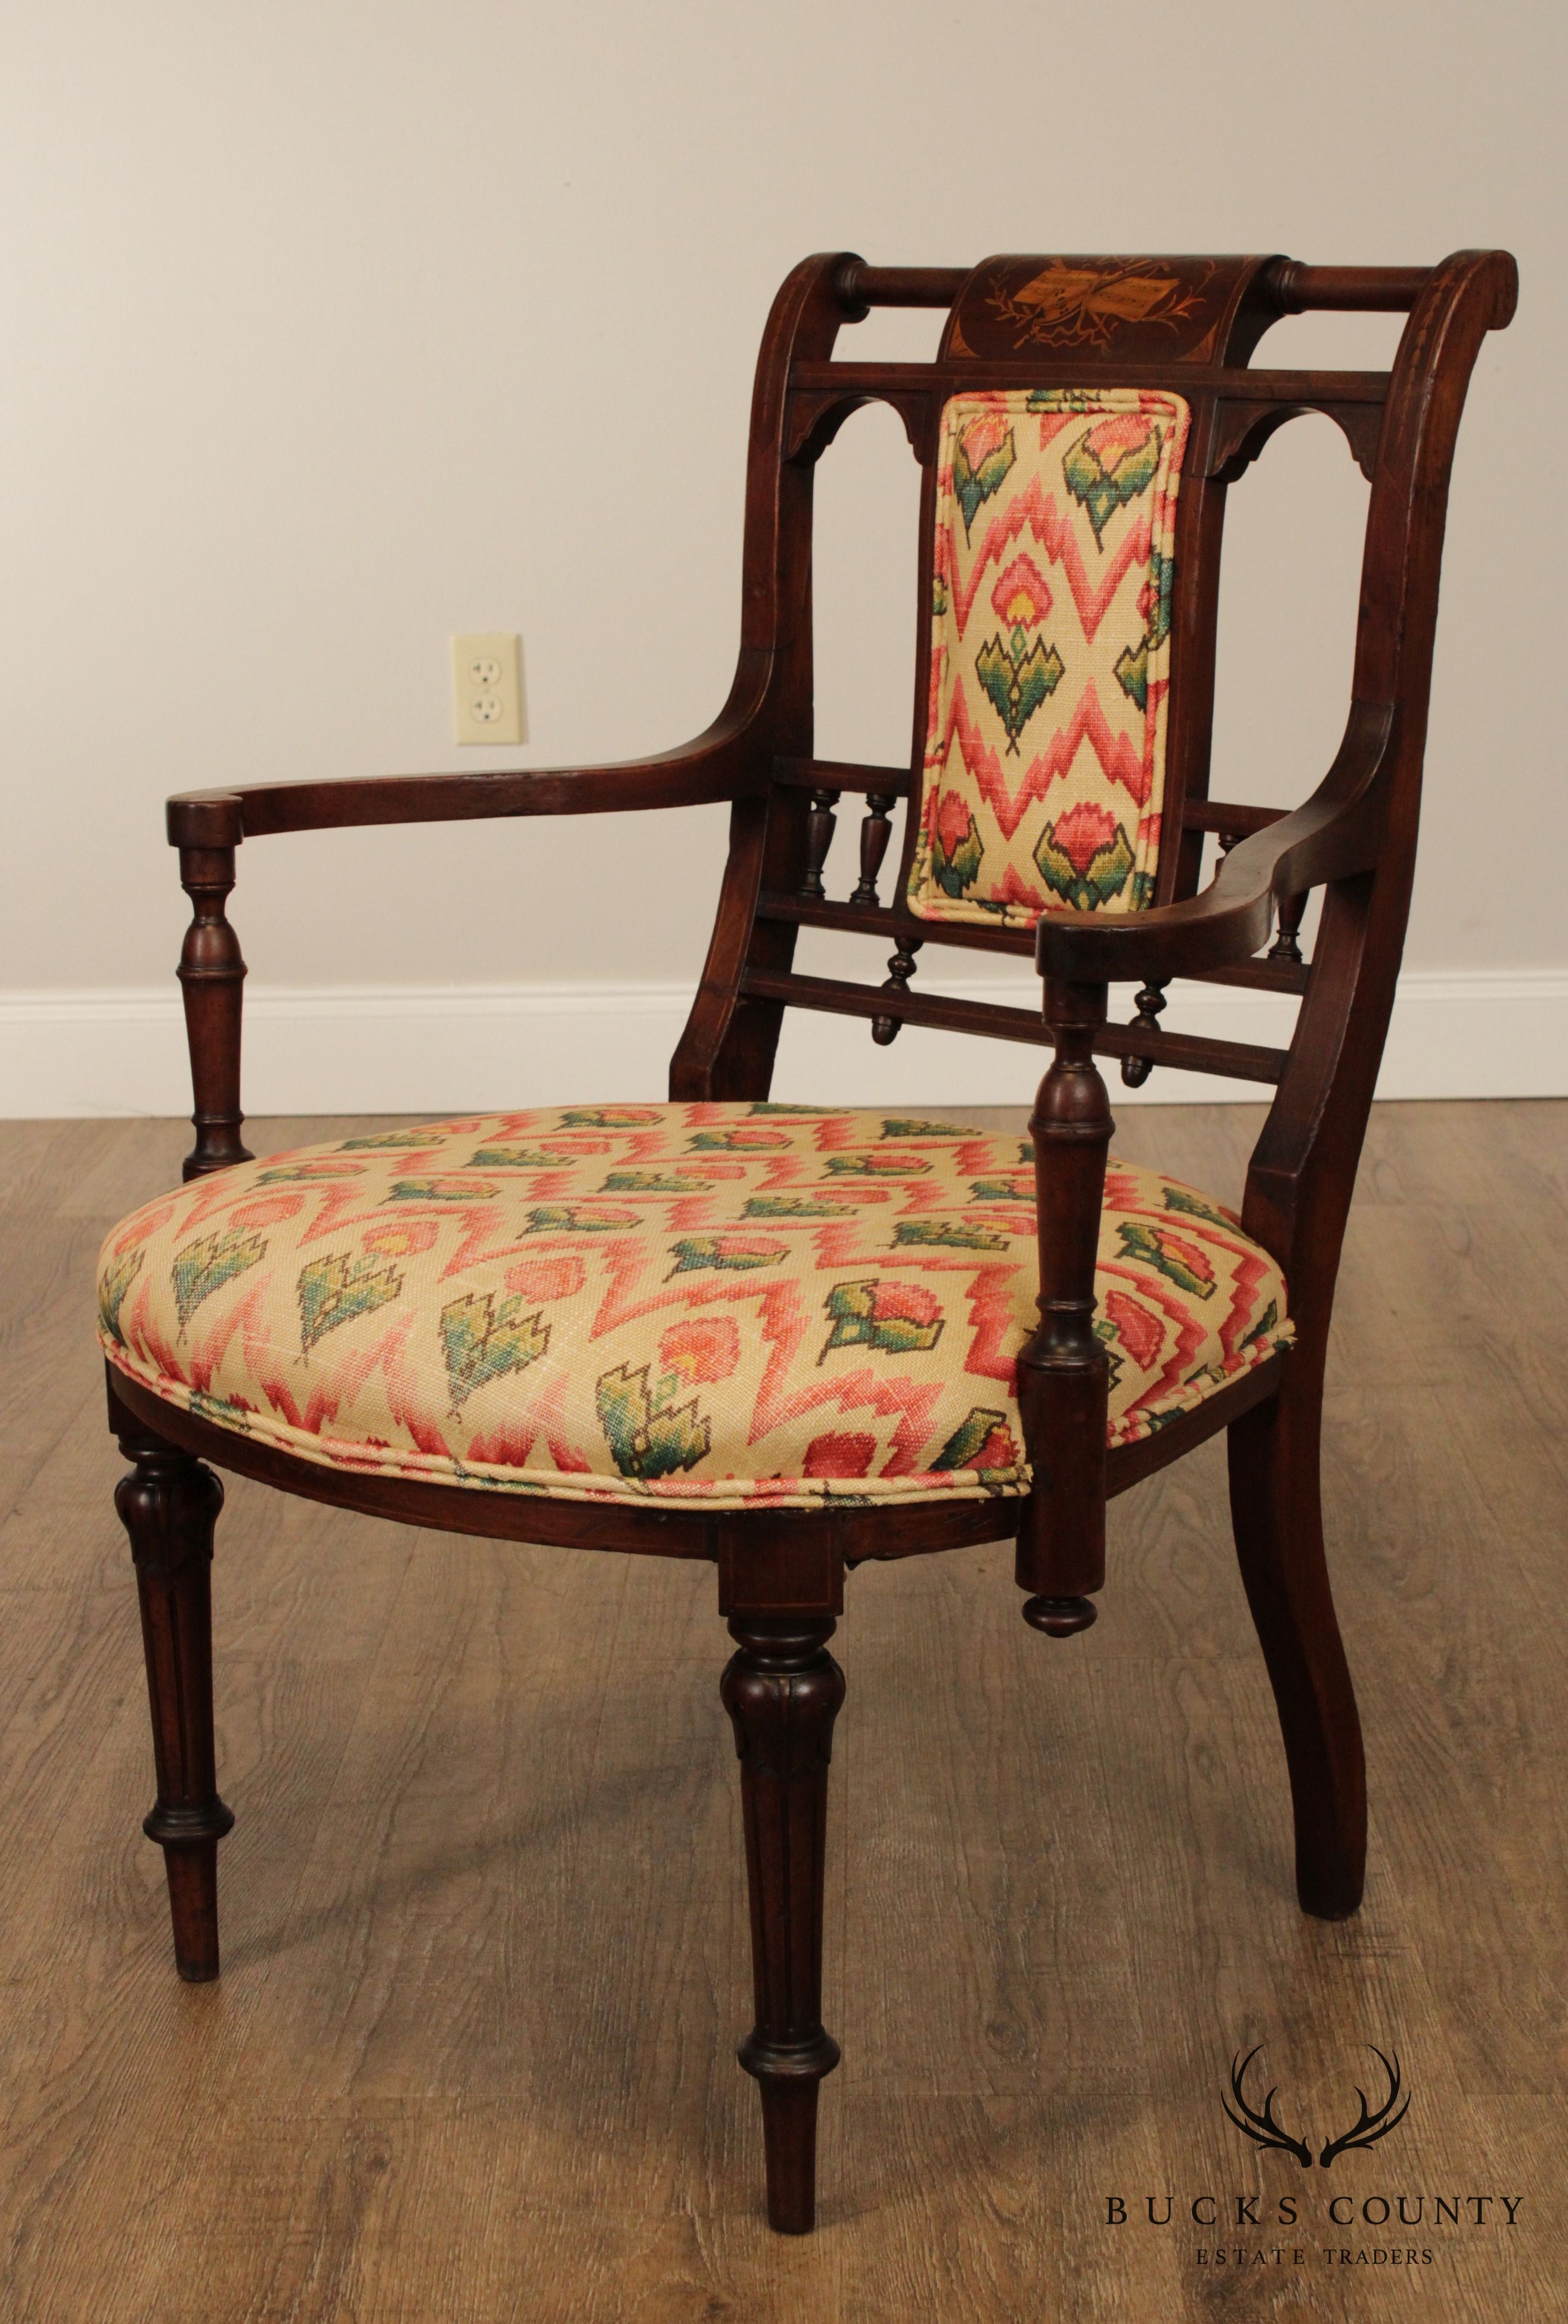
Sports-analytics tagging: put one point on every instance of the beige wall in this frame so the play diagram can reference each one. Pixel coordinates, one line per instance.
(330, 329)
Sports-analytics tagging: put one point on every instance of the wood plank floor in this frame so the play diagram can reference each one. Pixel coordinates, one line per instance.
(471, 2057)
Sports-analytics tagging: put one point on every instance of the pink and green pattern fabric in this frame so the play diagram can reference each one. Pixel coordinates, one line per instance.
(725, 1305)
(1044, 766)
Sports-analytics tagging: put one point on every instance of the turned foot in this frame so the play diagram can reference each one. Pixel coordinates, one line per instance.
(1060, 1618)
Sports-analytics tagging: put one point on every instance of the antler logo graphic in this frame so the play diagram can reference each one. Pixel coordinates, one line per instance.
(1264, 2130)
(1371, 2127)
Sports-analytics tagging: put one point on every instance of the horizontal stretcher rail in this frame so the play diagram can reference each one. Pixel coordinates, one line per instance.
(1219, 815)
(946, 1013)
(893, 926)
(1260, 975)
(1293, 287)
(839, 775)
(897, 928)
(1376, 290)
(1051, 368)
(856, 284)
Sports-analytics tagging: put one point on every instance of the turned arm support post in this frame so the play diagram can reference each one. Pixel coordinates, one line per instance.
(1063, 1372)
(727, 762)
(212, 979)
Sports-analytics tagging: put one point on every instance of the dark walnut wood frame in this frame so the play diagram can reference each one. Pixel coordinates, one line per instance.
(1192, 325)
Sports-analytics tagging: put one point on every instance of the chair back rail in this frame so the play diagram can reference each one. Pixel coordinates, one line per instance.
(1184, 325)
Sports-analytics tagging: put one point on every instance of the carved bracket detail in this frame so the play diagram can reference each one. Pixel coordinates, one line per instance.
(1240, 432)
(817, 413)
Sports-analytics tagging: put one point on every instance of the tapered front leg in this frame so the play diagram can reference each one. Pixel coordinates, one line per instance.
(169, 1506)
(782, 1690)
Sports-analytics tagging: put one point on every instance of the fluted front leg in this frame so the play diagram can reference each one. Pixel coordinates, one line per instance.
(782, 1690)
(169, 1506)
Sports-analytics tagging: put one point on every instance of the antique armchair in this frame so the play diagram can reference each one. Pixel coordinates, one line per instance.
(787, 1339)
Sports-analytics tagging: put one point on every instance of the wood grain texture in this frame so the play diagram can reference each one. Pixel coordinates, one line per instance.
(472, 2056)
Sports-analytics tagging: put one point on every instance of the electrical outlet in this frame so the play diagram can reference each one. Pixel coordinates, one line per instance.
(486, 687)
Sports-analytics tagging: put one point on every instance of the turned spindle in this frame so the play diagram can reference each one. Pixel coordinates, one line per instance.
(1148, 1001)
(819, 823)
(1285, 946)
(885, 1030)
(874, 833)
(212, 974)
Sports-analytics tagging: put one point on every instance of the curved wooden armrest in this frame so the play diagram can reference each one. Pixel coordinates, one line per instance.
(723, 763)
(726, 762)
(1334, 835)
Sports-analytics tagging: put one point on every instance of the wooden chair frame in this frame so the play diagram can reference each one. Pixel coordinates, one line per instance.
(780, 1575)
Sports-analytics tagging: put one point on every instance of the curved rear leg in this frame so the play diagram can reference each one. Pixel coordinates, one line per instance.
(1276, 1507)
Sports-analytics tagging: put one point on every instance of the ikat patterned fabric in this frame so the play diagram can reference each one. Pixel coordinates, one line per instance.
(727, 1306)
(1050, 654)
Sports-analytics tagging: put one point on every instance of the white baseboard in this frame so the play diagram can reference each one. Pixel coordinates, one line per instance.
(385, 1049)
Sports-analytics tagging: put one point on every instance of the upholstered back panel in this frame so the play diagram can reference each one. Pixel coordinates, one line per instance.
(1044, 767)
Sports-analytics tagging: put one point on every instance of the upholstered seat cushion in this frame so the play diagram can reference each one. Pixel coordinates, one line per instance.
(730, 1306)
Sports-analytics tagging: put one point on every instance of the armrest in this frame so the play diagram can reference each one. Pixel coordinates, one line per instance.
(1336, 833)
(723, 763)
(726, 762)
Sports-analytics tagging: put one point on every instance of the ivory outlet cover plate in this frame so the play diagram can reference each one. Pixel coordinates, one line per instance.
(487, 687)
